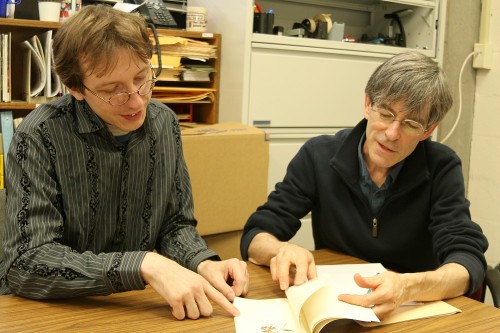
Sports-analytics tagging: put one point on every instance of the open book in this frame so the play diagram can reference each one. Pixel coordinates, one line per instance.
(310, 307)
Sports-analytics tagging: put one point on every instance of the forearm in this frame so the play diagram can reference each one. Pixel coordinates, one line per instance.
(57, 272)
(263, 248)
(450, 280)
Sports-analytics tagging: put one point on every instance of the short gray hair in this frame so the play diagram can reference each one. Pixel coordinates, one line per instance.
(414, 79)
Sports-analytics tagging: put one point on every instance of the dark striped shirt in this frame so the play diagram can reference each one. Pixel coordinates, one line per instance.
(84, 209)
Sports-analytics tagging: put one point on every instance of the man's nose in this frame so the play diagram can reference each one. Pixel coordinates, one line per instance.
(393, 130)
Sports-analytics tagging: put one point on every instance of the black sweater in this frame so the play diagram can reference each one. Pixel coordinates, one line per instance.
(424, 222)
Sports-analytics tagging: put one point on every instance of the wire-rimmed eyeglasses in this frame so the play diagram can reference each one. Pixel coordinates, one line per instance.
(409, 127)
(123, 97)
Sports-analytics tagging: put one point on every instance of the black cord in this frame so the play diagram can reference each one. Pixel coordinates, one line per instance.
(158, 48)
(395, 18)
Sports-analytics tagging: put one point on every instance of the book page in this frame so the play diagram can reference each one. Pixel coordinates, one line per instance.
(264, 315)
(416, 311)
(407, 311)
(316, 302)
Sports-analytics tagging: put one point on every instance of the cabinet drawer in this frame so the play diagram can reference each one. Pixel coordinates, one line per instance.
(308, 87)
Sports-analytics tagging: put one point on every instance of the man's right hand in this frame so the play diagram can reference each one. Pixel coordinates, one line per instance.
(290, 264)
(187, 292)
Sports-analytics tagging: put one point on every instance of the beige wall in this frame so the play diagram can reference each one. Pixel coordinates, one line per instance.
(484, 175)
(477, 137)
(462, 30)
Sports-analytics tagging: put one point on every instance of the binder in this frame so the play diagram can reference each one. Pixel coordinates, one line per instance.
(7, 126)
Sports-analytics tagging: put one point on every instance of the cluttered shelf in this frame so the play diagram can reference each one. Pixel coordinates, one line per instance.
(190, 70)
(382, 26)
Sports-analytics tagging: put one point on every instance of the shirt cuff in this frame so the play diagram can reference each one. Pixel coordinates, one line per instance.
(198, 257)
(246, 239)
(123, 271)
(473, 265)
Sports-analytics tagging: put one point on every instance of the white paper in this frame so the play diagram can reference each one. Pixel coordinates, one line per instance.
(126, 7)
(257, 315)
(289, 312)
(38, 72)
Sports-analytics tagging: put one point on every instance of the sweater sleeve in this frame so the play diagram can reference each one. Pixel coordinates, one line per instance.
(456, 238)
(291, 200)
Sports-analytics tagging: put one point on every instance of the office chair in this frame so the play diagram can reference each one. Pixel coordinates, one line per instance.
(493, 283)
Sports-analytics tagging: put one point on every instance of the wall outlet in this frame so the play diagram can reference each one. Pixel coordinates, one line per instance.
(483, 57)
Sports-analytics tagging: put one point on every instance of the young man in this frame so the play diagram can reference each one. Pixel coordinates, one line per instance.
(383, 192)
(97, 182)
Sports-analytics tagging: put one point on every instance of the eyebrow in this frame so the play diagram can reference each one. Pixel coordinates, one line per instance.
(387, 107)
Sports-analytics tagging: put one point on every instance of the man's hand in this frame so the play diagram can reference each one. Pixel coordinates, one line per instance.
(220, 273)
(292, 265)
(186, 292)
(387, 292)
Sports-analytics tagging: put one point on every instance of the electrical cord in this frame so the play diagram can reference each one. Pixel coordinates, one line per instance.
(158, 48)
(459, 97)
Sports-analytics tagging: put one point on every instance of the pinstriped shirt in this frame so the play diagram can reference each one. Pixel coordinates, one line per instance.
(83, 209)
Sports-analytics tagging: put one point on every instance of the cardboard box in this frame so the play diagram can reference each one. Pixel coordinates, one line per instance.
(227, 245)
(228, 166)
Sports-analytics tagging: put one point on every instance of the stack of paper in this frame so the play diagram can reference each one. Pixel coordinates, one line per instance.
(186, 47)
(182, 94)
(184, 59)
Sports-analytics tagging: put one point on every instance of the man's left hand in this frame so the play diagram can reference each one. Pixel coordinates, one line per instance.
(386, 293)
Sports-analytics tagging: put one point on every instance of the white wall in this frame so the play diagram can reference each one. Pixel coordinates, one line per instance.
(484, 174)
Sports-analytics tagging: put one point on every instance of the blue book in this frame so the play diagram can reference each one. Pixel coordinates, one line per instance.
(7, 126)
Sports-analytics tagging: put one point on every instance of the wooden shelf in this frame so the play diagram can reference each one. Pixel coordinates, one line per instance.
(203, 111)
(28, 24)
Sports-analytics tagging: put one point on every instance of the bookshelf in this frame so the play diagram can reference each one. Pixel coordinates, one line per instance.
(203, 111)
(20, 30)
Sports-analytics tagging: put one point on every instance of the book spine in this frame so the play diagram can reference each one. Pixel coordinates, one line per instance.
(7, 126)
(2, 166)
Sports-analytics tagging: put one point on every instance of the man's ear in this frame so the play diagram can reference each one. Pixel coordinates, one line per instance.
(76, 94)
(429, 132)
(366, 108)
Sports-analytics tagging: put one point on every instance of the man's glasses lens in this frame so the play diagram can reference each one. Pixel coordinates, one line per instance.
(122, 98)
(410, 127)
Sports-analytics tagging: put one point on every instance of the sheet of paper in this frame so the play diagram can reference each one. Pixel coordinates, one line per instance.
(342, 276)
(126, 7)
(264, 315)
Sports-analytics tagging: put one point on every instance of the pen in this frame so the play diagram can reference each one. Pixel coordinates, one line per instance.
(259, 8)
(370, 289)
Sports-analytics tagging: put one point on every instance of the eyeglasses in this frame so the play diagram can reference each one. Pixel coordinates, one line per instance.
(409, 127)
(123, 97)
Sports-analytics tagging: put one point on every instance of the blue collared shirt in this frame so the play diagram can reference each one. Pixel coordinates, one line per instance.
(374, 194)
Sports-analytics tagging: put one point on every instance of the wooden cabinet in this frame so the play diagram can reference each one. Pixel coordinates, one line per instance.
(203, 111)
